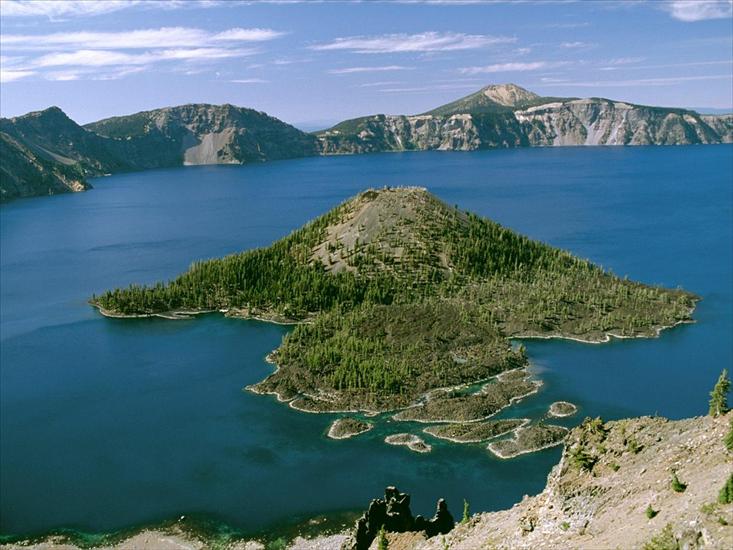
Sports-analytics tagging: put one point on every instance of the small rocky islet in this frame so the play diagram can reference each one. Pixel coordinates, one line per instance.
(529, 439)
(413, 442)
(475, 432)
(347, 427)
(560, 409)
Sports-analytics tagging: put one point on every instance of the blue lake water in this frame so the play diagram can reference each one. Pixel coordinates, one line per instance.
(109, 423)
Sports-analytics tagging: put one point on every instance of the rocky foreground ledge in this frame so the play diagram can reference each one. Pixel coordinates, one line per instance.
(613, 488)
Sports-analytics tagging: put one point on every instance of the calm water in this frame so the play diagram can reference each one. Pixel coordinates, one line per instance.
(107, 423)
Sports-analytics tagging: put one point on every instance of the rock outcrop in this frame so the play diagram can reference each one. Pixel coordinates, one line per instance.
(455, 132)
(45, 152)
(609, 474)
(393, 514)
(203, 134)
(603, 122)
(507, 115)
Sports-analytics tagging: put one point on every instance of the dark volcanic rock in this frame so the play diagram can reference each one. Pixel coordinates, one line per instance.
(394, 514)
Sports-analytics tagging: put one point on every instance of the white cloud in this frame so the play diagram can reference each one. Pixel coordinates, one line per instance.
(59, 9)
(63, 54)
(512, 67)
(421, 42)
(699, 10)
(576, 45)
(385, 68)
(250, 81)
(164, 37)
(62, 8)
(10, 75)
(103, 58)
(248, 35)
(625, 60)
(380, 83)
(90, 58)
(62, 76)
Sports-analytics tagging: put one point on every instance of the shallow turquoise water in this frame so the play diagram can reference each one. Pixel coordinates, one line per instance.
(108, 423)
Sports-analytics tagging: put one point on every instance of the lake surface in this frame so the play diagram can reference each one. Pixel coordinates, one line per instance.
(108, 423)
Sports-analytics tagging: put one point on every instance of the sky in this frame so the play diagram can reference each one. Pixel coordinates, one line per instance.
(314, 63)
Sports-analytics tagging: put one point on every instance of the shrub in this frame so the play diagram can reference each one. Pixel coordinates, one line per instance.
(677, 485)
(650, 512)
(725, 496)
(664, 540)
(728, 439)
(633, 446)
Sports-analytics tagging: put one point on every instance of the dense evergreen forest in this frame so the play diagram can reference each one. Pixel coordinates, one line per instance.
(406, 294)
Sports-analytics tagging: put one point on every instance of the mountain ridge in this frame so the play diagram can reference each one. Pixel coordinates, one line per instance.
(45, 152)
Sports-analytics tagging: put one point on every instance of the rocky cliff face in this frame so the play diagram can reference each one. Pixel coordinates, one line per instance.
(457, 132)
(23, 173)
(203, 134)
(46, 152)
(604, 122)
(722, 124)
(509, 116)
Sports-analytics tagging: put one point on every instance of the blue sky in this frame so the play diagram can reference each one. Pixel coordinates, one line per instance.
(318, 62)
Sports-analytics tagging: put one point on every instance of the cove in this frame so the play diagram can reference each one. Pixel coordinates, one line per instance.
(110, 423)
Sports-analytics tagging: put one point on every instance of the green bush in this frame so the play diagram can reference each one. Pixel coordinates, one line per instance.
(650, 512)
(665, 540)
(582, 459)
(728, 439)
(677, 485)
(725, 496)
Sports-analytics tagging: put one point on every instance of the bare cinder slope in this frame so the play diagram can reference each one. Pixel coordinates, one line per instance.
(604, 507)
(395, 223)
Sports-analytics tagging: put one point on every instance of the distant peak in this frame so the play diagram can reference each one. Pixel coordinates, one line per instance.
(509, 95)
(52, 113)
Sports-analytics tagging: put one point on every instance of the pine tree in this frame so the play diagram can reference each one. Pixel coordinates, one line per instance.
(726, 493)
(382, 539)
(719, 395)
(466, 512)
